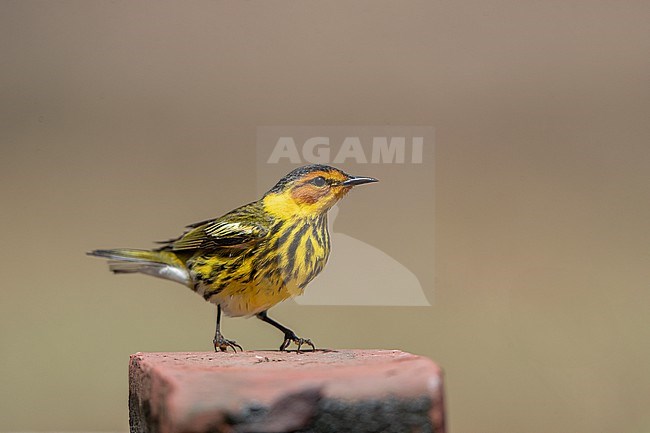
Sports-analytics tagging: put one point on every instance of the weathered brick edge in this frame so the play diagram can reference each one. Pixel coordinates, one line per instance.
(350, 391)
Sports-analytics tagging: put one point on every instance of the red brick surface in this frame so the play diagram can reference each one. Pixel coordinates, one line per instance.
(346, 390)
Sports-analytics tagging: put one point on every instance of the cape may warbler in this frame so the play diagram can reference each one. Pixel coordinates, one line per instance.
(255, 256)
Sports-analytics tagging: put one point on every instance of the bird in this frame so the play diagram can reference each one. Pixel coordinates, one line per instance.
(255, 256)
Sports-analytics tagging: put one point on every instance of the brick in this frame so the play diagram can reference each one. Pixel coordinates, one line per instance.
(249, 392)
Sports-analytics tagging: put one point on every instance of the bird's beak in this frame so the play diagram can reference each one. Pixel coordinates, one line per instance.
(353, 181)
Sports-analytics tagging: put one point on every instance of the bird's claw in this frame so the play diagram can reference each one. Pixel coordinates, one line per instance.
(293, 338)
(221, 343)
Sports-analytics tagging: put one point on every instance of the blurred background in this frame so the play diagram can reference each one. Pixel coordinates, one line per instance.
(120, 122)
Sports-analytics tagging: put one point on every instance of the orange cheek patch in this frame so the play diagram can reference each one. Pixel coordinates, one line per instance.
(307, 194)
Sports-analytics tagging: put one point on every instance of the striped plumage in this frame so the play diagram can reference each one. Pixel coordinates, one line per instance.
(255, 256)
(265, 273)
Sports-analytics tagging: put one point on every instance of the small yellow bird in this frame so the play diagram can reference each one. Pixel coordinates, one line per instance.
(255, 256)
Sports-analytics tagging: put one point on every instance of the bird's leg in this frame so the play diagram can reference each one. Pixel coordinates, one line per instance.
(221, 343)
(289, 335)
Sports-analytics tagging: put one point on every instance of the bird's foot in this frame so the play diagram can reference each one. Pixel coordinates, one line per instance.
(222, 343)
(291, 337)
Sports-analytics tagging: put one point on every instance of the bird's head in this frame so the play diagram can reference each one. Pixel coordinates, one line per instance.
(310, 190)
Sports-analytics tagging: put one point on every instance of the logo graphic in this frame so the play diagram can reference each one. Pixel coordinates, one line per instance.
(361, 271)
(317, 150)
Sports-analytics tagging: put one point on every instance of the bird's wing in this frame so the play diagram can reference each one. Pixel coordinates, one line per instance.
(240, 228)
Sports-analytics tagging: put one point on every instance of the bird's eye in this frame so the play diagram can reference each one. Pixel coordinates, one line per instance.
(318, 181)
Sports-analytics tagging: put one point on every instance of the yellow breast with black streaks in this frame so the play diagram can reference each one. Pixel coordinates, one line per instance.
(293, 253)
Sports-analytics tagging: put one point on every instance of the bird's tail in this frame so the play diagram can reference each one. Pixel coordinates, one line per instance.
(161, 264)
